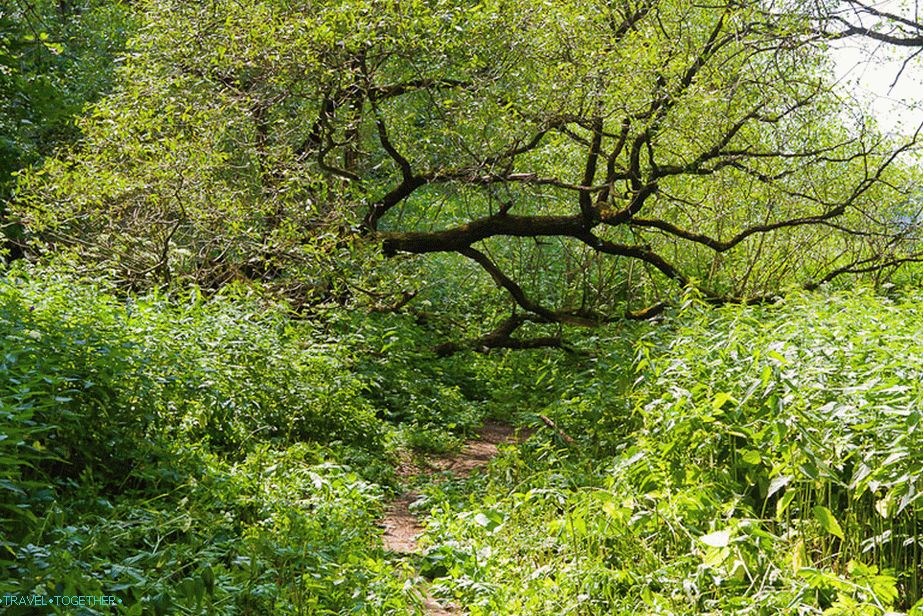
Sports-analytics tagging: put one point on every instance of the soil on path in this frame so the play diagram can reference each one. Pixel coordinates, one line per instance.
(402, 527)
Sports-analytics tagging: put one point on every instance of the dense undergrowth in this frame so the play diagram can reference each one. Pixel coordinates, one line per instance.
(190, 455)
(761, 460)
(226, 456)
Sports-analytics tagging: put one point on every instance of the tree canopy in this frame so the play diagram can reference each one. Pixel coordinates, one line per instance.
(587, 157)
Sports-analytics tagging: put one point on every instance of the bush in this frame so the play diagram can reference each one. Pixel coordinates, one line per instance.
(173, 451)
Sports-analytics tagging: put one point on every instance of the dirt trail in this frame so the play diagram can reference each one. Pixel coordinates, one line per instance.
(402, 526)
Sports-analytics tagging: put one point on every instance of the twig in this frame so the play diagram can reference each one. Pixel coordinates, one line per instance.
(564, 435)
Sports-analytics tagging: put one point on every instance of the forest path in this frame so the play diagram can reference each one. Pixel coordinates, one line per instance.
(402, 526)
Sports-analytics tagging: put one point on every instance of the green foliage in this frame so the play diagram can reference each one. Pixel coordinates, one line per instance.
(220, 371)
(185, 454)
(55, 58)
(188, 454)
(212, 449)
(768, 460)
(252, 140)
(405, 382)
(280, 531)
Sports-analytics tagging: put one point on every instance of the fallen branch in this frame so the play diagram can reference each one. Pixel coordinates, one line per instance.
(564, 435)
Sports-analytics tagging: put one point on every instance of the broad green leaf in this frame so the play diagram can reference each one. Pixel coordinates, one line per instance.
(827, 521)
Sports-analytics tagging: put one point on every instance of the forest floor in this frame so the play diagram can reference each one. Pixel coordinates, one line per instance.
(403, 526)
